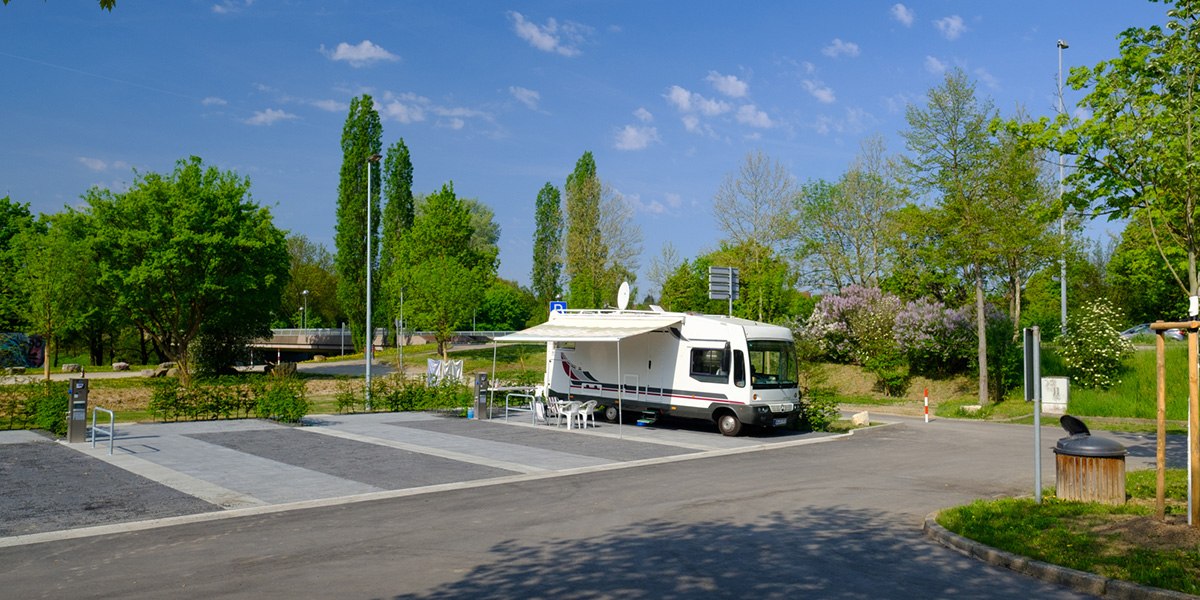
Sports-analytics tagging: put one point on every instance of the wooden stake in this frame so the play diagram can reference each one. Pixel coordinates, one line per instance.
(1193, 427)
(1160, 494)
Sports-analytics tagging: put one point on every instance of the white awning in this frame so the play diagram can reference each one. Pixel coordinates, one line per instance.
(592, 328)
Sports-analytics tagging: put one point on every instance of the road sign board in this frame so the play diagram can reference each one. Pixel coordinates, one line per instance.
(558, 305)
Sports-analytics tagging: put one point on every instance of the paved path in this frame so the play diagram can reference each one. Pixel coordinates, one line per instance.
(531, 513)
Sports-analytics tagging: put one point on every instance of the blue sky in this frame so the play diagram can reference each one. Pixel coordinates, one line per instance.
(502, 98)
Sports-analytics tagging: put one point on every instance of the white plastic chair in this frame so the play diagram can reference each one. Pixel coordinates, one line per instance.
(568, 411)
(587, 412)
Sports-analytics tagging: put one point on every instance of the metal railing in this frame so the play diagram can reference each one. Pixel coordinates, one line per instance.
(110, 431)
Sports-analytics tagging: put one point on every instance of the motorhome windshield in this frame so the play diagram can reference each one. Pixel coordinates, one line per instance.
(772, 364)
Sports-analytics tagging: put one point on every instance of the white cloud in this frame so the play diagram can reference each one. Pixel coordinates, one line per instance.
(750, 115)
(903, 14)
(951, 27)
(361, 55)
(643, 115)
(935, 66)
(98, 165)
(680, 98)
(231, 6)
(560, 38)
(838, 48)
(691, 123)
(635, 138)
(529, 98)
(674, 200)
(269, 117)
(213, 101)
(455, 123)
(823, 93)
(729, 85)
(406, 113)
(331, 105)
(987, 78)
(808, 67)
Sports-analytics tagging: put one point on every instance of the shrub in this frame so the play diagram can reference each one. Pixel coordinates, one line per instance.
(937, 341)
(1005, 356)
(281, 398)
(50, 403)
(1092, 350)
(818, 409)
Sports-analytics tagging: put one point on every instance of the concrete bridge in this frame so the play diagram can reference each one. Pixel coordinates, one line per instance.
(334, 342)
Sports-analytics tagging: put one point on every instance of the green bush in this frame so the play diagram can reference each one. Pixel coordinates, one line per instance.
(50, 403)
(819, 409)
(281, 398)
(1093, 351)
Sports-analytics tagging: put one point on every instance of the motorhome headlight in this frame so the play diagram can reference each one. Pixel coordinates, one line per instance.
(763, 409)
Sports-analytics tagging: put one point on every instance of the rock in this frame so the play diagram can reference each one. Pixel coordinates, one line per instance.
(14, 371)
(971, 409)
(71, 368)
(172, 372)
(166, 365)
(861, 419)
(319, 358)
(284, 369)
(120, 366)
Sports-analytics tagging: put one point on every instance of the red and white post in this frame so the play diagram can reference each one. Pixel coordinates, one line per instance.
(926, 405)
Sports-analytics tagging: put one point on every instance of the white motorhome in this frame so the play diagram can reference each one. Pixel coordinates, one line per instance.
(731, 371)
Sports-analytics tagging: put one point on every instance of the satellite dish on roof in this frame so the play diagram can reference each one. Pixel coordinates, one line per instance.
(623, 295)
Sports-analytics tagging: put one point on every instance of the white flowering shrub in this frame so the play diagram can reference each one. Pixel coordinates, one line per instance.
(1093, 350)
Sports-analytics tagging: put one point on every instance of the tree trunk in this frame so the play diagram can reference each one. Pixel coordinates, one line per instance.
(981, 332)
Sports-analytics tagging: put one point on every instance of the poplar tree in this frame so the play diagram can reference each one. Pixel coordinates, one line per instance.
(361, 137)
(547, 245)
(398, 215)
(585, 248)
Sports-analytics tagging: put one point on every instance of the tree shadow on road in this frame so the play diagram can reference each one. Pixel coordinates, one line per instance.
(824, 553)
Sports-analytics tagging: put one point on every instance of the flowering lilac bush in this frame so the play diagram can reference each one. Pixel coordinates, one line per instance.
(937, 340)
(856, 327)
(1093, 350)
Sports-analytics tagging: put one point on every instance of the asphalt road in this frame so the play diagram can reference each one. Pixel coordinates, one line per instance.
(839, 519)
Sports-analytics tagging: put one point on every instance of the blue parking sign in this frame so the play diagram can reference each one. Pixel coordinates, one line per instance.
(558, 305)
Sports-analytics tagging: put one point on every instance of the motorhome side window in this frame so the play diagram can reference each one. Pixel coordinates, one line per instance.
(709, 364)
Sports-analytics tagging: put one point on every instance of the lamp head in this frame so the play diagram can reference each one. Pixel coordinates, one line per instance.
(1062, 45)
(375, 157)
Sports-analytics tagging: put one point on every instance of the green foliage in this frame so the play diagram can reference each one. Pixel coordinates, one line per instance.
(1005, 359)
(14, 218)
(686, 289)
(1093, 350)
(444, 276)
(819, 409)
(891, 370)
(395, 394)
(268, 397)
(1140, 272)
(505, 307)
(38, 404)
(547, 245)
(189, 254)
(311, 268)
(586, 251)
(361, 139)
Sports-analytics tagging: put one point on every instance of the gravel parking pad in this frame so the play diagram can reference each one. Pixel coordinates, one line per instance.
(572, 442)
(45, 486)
(379, 466)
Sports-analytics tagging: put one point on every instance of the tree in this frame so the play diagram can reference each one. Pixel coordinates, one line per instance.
(310, 266)
(398, 215)
(56, 269)
(506, 306)
(444, 276)
(951, 157)
(547, 245)
(1139, 150)
(841, 228)
(189, 255)
(104, 4)
(360, 140)
(586, 251)
(622, 240)
(1140, 274)
(14, 218)
(662, 266)
(756, 207)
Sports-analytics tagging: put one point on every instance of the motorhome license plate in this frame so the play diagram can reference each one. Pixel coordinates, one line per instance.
(780, 422)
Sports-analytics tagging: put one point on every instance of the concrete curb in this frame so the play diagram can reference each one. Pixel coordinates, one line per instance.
(1087, 583)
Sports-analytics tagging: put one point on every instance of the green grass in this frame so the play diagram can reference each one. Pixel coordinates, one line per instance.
(1071, 534)
(1135, 396)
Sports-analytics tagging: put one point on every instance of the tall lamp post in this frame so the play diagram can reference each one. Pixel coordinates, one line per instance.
(304, 315)
(1062, 221)
(374, 158)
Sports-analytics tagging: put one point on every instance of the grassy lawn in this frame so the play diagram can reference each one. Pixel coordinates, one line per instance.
(1121, 542)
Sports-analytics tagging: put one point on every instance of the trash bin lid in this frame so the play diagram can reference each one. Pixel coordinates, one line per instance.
(1073, 425)
(1090, 446)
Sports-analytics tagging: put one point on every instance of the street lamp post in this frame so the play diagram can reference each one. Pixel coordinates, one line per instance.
(304, 315)
(374, 158)
(1062, 221)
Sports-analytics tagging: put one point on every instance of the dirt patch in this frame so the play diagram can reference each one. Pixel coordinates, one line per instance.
(1148, 532)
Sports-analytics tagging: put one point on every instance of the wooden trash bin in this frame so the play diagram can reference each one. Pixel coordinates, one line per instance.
(1089, 469)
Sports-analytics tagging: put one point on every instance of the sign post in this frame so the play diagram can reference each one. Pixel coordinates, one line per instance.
(1033, 393)
(723, 285)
